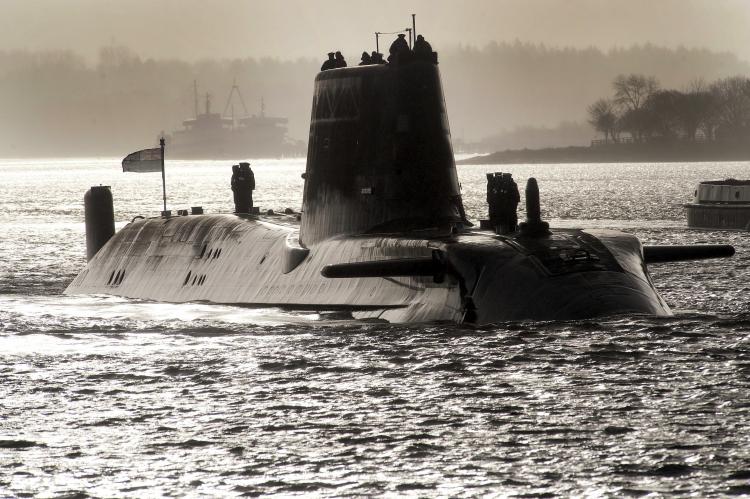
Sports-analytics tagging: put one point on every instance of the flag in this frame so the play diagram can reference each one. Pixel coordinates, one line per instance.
(147, 160)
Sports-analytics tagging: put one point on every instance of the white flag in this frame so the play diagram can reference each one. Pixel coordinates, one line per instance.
(147, 160)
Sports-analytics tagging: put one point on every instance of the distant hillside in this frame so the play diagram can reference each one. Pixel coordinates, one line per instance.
(53, 103)
(533, 137)
(621, 153)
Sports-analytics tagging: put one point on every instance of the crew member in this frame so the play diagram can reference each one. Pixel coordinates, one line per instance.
(422, 49)
(330, 63)
(512, 198)
(236, 188)
(399, 50)
(366, 59)
(503, 198)
(377, 58)
(249, 184)
(243, 183)
(339, 60)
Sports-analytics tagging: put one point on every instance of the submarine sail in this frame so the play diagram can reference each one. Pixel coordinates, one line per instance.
(379, 155)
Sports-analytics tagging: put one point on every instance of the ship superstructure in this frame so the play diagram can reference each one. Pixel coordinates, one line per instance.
(211, 135)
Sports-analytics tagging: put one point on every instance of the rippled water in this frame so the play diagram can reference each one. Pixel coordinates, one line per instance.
(109, 397)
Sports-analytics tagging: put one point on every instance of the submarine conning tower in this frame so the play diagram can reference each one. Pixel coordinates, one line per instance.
(379, 158)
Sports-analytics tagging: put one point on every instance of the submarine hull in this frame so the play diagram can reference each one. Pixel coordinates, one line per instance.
(237, 259)
(383, 231)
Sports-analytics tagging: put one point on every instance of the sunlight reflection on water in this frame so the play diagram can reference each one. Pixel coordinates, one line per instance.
(113, 397)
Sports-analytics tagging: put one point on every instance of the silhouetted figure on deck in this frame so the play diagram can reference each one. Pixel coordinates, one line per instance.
(340, 62)
(399, 50)
(235, 186)
(366, 59)
(330, 63)
(503, 198)
(422, 49)
(377, 58)
(243, 184)
(248, 174)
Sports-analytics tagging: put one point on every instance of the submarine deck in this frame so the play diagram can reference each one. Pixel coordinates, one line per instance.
(254, 260)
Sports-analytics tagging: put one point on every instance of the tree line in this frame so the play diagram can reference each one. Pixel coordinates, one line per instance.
(56, 103)
(502, 95)
(640, 110)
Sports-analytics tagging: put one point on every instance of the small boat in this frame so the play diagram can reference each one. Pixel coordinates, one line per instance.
(720, 204)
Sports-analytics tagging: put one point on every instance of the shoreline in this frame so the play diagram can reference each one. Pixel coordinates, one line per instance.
(619, 153)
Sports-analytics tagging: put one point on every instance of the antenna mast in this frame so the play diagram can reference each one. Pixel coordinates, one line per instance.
(235, 88)
(412, 33)
(195, 97)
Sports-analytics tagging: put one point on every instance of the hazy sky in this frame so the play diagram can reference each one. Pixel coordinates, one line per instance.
(192, 29)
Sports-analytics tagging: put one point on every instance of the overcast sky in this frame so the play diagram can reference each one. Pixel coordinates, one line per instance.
(192, 29)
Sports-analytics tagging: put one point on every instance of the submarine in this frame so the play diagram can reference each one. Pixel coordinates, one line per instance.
(382, 233)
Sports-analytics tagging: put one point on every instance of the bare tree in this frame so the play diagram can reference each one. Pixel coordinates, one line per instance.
(631, 91)
(603, 117)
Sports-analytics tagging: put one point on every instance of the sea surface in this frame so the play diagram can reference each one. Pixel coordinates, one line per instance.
(109, 397)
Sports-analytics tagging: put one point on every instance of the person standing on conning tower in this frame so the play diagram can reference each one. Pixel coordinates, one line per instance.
(399, 50)
(366, 59)
(339, 60)
(330, 63)
(422, 49)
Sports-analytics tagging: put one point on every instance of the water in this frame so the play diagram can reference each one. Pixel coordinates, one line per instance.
(110, 397)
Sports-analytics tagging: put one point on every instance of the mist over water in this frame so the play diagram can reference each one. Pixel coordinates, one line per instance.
(56, 103)
(111, 397)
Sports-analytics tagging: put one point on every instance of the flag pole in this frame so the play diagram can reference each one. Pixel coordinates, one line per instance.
(163, 179)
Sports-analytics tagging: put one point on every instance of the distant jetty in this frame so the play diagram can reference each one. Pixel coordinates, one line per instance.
(653, 152)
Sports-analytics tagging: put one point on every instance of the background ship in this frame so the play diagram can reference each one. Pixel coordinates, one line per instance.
(217, 136)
